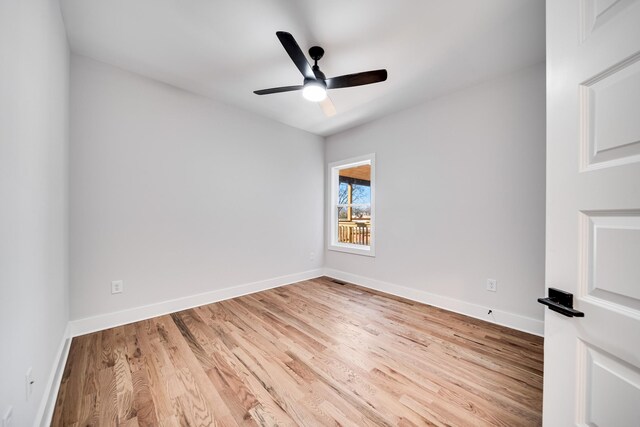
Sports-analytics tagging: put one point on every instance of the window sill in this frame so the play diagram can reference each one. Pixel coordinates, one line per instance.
(353, 249)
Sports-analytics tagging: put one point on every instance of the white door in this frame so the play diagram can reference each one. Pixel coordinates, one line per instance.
(592, 364)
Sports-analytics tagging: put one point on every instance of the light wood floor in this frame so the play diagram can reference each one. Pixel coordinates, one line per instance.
(312, 353)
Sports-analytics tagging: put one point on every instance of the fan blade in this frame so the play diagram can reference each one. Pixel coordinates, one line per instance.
(278, 90)
(357, 79)
(327, 107)
(294, 51)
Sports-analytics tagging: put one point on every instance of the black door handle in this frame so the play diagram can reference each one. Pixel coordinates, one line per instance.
(561, 302)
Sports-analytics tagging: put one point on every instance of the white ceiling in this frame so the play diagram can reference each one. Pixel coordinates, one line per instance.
(226, 49)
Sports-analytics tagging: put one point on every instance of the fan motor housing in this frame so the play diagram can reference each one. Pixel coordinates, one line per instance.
(316, 82)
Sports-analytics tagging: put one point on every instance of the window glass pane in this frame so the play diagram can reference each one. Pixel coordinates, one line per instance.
(361, 212)
(362, 172)
(355, 233)
(343, 193)
(360, 194)
(342, 213)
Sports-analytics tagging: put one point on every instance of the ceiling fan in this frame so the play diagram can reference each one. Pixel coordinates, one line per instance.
(315, 84)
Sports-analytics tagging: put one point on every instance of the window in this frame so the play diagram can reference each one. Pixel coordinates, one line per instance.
(352, 195)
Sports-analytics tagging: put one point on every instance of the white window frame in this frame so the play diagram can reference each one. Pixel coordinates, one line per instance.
(333, 188)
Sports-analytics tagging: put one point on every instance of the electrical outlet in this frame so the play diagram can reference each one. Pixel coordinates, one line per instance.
(117, 286)
(28, 378)
(7, 420)
(312, 256)
(492, 285)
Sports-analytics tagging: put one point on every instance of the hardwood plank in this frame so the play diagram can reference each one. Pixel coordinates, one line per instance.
(161, 383)
(142, 397)
(310, 353)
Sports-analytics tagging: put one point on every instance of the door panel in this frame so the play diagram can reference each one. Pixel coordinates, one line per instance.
(607, 382)
(614, 262)
(596, 13)
(610, 101)
(592, 364)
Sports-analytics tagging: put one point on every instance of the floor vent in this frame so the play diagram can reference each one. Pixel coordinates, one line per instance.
(339, 282)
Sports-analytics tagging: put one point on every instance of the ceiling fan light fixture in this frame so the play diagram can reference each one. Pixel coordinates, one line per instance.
(315, 85)
(314, 91)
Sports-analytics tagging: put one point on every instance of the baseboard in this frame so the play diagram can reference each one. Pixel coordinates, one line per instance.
(48, 402)
(504, 318)
(110, 320)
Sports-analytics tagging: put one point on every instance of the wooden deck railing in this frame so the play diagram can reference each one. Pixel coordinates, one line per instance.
(354, 232)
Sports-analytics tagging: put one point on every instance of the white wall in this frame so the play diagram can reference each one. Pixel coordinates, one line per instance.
(34, 75)
(178, 195)
(460, 196)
